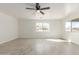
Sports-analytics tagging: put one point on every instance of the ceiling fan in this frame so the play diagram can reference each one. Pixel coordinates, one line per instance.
(39, 9)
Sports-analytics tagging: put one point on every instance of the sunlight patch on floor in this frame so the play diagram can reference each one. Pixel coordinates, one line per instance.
(56, 40)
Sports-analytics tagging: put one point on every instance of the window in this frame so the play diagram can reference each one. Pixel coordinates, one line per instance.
(42, 27)
(68, 26)
(72, 26)
(75, 26)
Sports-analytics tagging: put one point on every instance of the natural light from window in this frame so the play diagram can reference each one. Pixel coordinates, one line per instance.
(72, 26)
(68, 26)
(42, 27)
(75, 26)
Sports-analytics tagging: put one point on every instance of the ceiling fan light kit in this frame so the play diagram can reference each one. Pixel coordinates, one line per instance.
(38, 11)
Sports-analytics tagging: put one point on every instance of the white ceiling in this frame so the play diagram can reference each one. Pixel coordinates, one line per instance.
(57, 10)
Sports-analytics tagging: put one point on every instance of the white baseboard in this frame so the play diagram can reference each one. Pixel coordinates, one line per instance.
(7, 40)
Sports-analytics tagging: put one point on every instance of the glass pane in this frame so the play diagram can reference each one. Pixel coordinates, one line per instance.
(39, 27)
(45, 27)
(68, 26)
(75, 26)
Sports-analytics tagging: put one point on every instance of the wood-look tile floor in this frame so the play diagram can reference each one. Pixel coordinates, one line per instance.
(38, 47)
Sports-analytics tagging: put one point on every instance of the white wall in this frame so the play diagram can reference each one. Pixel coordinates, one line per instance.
(74, 36)
(8, 28)
(27, 29)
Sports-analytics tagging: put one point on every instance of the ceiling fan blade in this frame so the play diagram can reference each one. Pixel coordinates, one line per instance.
(31, 8)
(45, 8)
(42, 12)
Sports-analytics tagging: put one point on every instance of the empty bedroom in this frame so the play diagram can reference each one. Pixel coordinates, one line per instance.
(39, 29)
